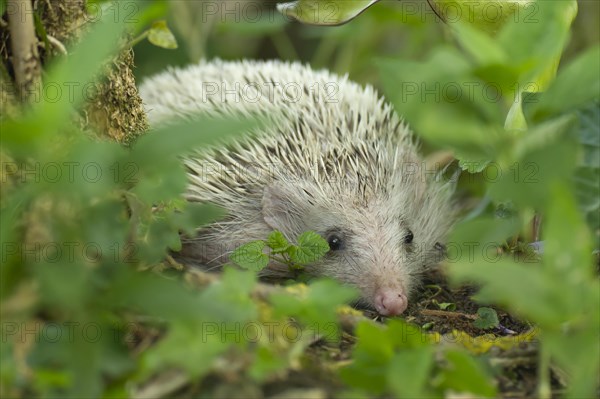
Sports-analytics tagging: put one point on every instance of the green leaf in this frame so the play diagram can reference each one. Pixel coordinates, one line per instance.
(577, 351)
(157, 154)
(464, 374)
(84, 350)
(576, 85)
(567, 244)
(479, 45)
(324, 12)
(371, 356)
(527, 181)
(488, 17)
(408, 373)
(186, 136)
(204, 341)
(277, 242)
(587, 174)
(483, 231)
(73, 75)
(230, 298)
(447, 306)
(396, 358)
(317, 308)
(251, 256)
(525, 290)
(195, 215)
(160, 35)
(154, 296)
(266, 362)
(589, 135)
(472, 165)
(535, 39)
(487, 318)
(311, 247)
(445, 103)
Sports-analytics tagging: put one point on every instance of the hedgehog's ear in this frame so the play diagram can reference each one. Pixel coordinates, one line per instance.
(283, 207)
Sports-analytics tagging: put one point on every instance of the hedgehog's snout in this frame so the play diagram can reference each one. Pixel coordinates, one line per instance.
(390, 302)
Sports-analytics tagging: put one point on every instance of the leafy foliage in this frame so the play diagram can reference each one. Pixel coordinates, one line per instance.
(77, 244)
(487, 318)
(401, 359)
(311, 247)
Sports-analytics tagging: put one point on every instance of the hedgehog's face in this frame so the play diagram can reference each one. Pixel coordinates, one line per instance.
(380, 245)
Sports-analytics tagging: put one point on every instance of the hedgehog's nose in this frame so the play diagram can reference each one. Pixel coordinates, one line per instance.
(390, 302)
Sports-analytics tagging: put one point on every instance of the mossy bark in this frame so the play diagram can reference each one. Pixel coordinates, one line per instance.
(115, 111)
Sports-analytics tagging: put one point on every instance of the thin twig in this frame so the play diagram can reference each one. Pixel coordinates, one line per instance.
(443, 313)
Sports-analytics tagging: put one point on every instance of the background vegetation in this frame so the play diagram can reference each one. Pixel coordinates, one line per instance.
(92, 306)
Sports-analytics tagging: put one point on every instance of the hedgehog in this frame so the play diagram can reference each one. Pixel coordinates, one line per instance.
(335, 158)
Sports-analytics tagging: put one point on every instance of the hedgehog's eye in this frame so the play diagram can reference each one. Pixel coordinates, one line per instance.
(335, 242)
(408, 238)
(440, 247)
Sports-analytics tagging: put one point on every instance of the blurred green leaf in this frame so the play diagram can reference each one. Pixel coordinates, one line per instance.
(372, 354)
(160, 35)
(266, 361)
(153, 295)
(396, 358)
(204, 342)
(484, 230)
(567, 246)
(324, 12)
(527, 181)
(87, 350)
(463, 373)
(195, 215)
(481, 47)
(446, 104)
(409, 371)
(72, 76)
(250, 256)
(535, 292)
(522, 288)
(184, 137)
(488, 17)
(576, 85)
(568, 259)
(535, 40)
(229, 298)
(317, 308)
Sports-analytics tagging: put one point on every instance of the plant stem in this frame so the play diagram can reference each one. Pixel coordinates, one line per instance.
(543, 389)
(284, 46)
(139, 38)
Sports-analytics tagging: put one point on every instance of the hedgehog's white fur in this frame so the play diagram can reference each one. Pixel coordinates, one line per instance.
(335, 158)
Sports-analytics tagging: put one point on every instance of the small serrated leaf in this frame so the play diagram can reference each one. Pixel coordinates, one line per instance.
(447, 306)
(277, 242)
(311, 247)
(487, 318)
(250, 256)
(160, 35)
